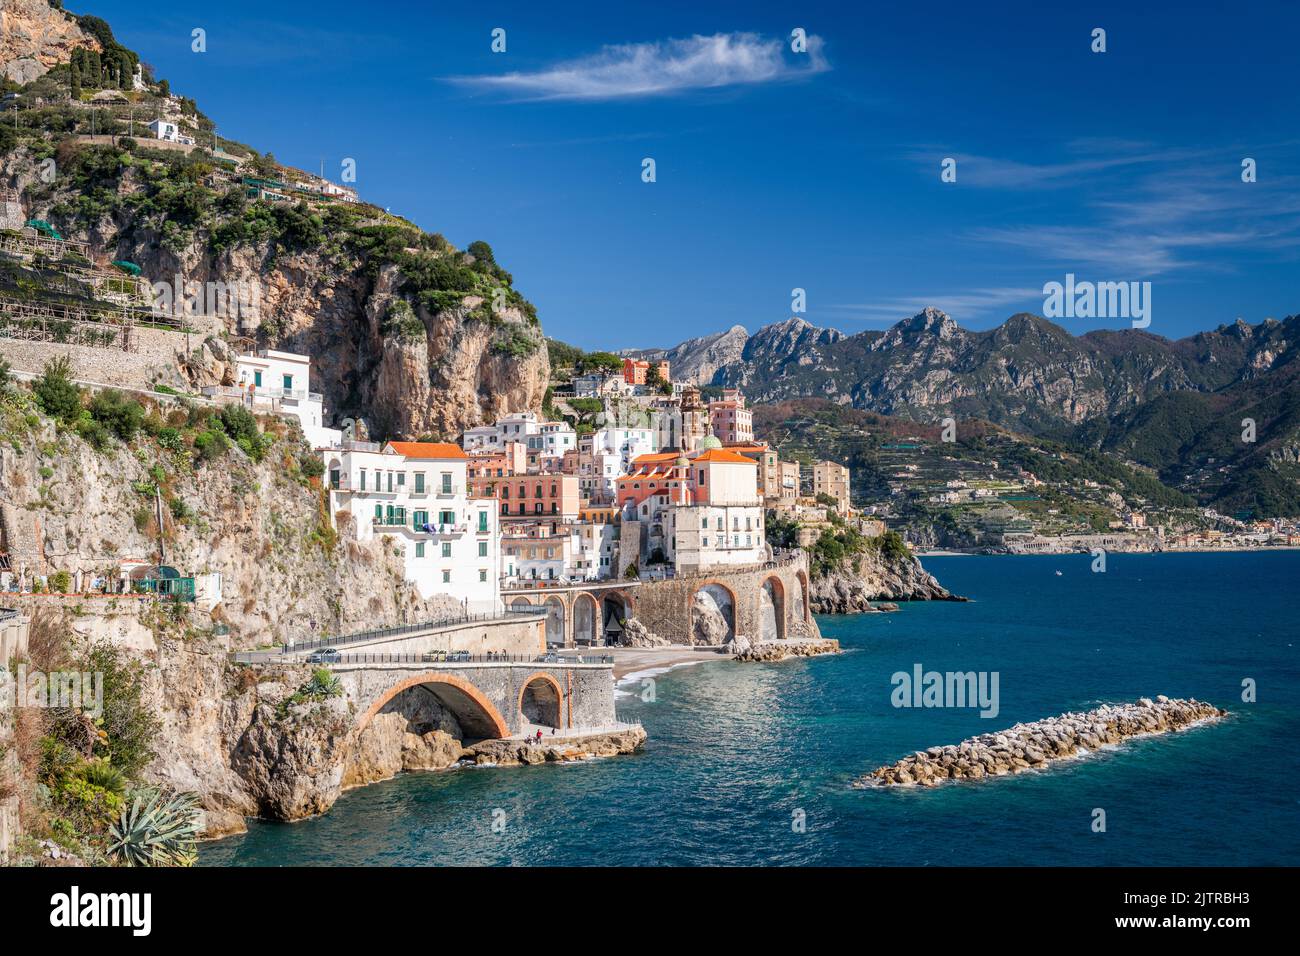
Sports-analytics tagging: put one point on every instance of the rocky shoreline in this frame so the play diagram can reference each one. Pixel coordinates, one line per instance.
(1036, 745)
(871, 577)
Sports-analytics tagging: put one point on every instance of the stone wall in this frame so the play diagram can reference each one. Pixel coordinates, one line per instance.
(13, 635)
(153, 358)
(526, 636)
(669, 609)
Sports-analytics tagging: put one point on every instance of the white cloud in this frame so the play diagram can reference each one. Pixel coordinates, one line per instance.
(662, 67)
(962, 306)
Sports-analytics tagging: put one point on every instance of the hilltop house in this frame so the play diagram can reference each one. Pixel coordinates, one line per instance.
(169, 132)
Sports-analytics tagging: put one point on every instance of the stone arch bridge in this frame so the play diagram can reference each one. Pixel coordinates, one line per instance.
(768, 601)
(490, 699)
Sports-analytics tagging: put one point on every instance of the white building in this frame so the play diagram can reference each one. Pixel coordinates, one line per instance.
(271, 382)
(553, 439)
(416, 494)
(519, 426)
(169, 131)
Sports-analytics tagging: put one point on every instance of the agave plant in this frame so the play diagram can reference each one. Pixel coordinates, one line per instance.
(156, 830)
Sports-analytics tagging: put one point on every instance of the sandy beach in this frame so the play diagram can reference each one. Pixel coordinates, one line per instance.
(648, 661)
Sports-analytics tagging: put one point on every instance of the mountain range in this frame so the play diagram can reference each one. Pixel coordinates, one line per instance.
(1181, 408)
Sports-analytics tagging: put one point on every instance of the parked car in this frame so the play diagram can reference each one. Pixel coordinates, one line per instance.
(434, 657)
(458, 656)
(326, 655)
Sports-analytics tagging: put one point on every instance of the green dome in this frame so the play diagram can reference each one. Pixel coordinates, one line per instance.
(709, 443)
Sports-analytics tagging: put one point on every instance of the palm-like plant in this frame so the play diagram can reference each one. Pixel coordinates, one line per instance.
(156, 830)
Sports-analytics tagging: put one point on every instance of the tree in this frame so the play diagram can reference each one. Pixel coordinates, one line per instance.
(657, 382)
(56, 393)
(606, 362)
(482, 252)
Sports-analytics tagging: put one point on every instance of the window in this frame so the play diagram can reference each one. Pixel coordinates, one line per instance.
(446, 577)
(419, 549)
(334, 478)
(483, 522)
(379, 512)
(363, 479)
(257, 379)
(288, 383)
(446, 482)
(505, 491)
(482, 549)
(482, 574)
(401, 479)
(419, 519)
(446, 549)
(446, 517)
(390, 481)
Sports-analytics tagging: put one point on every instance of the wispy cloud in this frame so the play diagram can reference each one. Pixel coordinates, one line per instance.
(962, 306)
(661, 68)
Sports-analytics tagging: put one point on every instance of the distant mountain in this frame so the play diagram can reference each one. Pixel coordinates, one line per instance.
(1175, 406)
(1026, 373)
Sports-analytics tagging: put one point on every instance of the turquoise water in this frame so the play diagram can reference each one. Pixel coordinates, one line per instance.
(737, 750)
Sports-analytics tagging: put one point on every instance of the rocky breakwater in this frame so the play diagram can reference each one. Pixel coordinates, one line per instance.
(1036, 745)
(515, 752)
(744, 650)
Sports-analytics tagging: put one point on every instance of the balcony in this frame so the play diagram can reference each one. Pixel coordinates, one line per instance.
(448, 491)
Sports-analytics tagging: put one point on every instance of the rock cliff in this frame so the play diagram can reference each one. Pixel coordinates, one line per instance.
(872, 576)
(34, 36)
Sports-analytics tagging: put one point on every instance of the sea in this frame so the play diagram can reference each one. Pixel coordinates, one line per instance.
(754, 764)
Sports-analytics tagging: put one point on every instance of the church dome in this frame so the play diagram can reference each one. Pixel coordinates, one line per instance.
(710, 442)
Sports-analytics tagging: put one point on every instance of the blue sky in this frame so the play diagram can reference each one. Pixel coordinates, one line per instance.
(778, 170)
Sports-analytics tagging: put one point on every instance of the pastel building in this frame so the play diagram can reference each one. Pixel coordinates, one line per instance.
(732, 422)
(698, 510)
(831, 478)
(636, 372)
(417, 494)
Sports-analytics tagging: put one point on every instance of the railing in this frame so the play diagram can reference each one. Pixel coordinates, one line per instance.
(452, 658)
(451, 620)
(6, 613)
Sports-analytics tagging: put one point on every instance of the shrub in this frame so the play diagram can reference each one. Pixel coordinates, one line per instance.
(211, 445)
(311, 466)
(56, 393)
(61, 581)
(119, 413)
(170, 438)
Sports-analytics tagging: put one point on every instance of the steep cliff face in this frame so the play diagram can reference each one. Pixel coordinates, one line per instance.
(34, 36)
(320, 282)
(262, 527)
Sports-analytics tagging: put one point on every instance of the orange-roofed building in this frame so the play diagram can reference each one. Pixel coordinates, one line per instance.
(699, 510)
